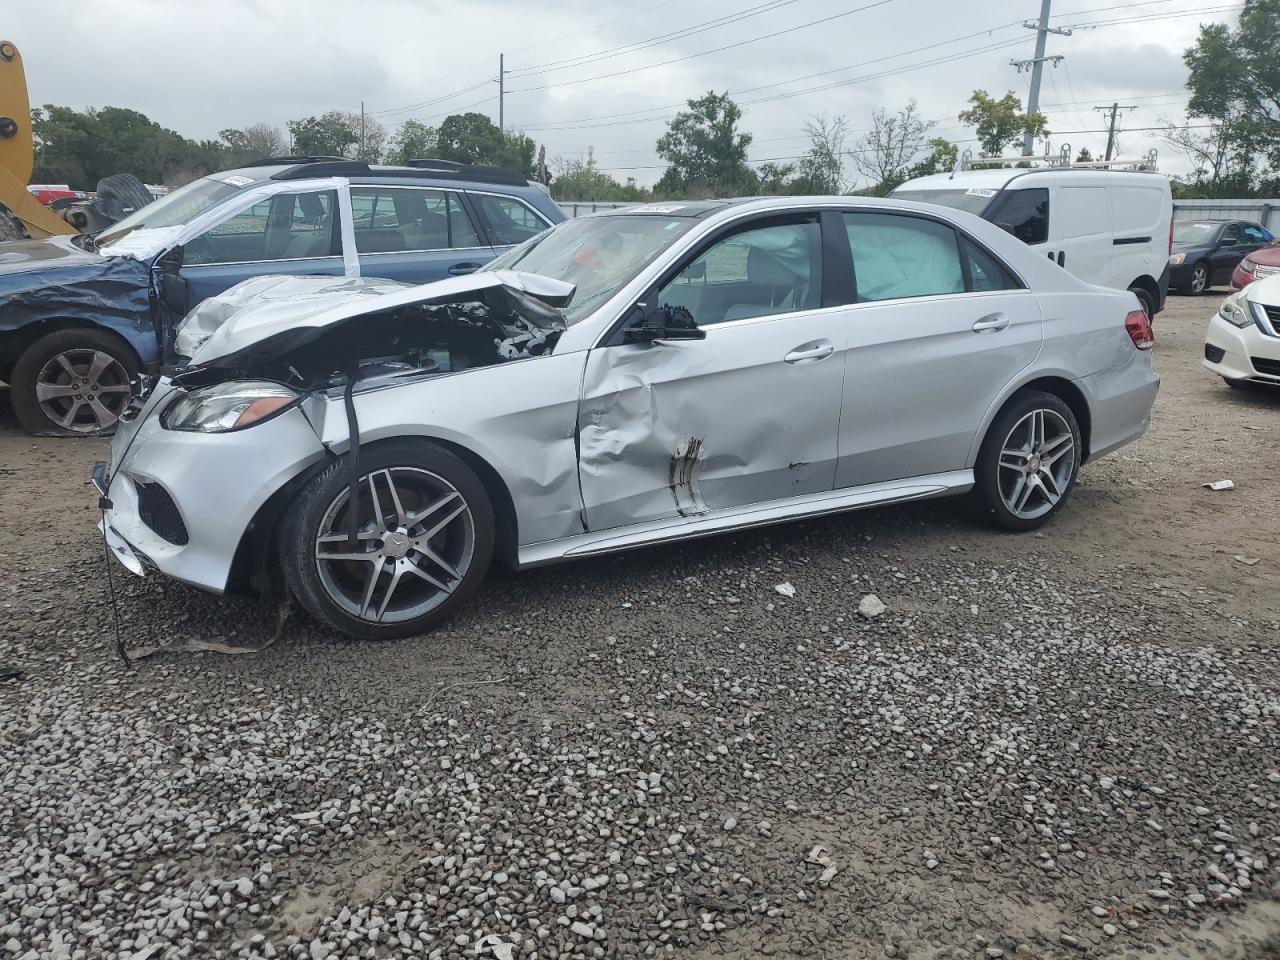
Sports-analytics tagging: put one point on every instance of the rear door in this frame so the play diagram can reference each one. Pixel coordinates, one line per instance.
(294, 233)
(939, 329)
(415, 234)
(748, 415)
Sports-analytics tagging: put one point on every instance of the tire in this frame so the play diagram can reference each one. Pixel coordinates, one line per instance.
(377, 589)
(1145, 299)
(1199, 281)
(49, 399)
(996, 491)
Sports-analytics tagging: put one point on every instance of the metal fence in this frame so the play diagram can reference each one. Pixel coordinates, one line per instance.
(1265, 212)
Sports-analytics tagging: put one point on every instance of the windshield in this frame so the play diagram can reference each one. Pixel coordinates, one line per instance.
(172, 210)
(972, 200)
(597, 254)
(1192, 232)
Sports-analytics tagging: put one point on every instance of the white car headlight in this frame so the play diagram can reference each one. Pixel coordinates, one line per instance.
(1235, 310)
(1177, 258)
(228, 406)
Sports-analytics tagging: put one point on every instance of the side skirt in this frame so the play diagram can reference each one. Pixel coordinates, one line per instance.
(743, 518)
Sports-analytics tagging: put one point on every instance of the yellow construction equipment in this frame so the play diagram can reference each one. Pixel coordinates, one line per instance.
(17, 151)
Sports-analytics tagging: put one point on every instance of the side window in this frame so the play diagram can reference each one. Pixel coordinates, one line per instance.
(393, 219)
(288, 226)
(985, 272)
(1254, 234)
(1231, 231)
(1026, 213)
(507, 221)
(756, 272)
(896, 256)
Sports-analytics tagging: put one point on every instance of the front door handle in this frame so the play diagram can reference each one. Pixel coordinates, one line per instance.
(811, 352)
(458, 269)
(992, 321)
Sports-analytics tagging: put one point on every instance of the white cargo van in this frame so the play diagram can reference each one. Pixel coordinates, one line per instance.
(1109, 224)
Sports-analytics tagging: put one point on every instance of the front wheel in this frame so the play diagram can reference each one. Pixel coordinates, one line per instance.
(1199, 279)
(422, 540)
(73, 383)
(1028, 463)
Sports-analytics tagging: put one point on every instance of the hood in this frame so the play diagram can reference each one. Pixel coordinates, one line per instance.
(1266, 256)
(270, 303)
(1265, 291)
(21, 256)
(307, 330)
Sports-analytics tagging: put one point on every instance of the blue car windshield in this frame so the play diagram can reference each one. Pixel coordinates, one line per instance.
(172, 210)
(598, 254)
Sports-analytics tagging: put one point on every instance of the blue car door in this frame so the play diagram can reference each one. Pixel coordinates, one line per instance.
(415, 234)
(289, 233)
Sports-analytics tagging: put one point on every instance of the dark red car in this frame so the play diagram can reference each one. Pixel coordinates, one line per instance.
(1258, 264)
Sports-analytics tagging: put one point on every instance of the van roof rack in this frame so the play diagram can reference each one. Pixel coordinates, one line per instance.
(437, 169)
(1062, 161)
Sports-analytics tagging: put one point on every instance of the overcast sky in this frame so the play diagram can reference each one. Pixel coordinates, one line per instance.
(199, 66)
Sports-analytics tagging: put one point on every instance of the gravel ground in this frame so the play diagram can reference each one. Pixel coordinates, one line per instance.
(1058, 745)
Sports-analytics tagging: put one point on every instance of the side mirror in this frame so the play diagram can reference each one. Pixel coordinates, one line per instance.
(1228, 242)
(661, 324)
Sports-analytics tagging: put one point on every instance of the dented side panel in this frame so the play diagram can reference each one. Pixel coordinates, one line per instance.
(680, 429)
(518, 417)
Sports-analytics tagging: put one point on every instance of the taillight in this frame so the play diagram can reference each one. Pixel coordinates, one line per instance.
(1138, 325)
(1171, 236)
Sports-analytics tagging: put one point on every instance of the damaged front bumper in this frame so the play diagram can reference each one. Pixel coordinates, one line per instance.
(179, 502)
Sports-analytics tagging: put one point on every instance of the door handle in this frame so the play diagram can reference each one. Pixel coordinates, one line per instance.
(992, 321)
(811, 352)
(1062, 259)
(458, 269)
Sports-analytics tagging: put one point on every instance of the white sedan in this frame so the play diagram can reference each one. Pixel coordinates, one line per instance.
(1243, 341)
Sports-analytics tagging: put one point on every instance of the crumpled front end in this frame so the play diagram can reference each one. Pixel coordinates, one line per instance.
(181, 501)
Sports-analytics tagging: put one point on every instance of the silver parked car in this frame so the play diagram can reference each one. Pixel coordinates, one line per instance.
(634, 377)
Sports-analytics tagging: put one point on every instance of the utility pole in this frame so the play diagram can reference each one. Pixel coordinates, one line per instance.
(361, 129)
(502, 84)
(1036, 64)
(1114, 109)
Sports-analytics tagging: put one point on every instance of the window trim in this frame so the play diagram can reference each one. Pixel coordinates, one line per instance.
(959, 234)
(444, 191)
(613, 335)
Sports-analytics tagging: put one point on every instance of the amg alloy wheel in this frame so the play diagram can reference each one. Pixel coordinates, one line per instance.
(1029, 461)
(422, 541)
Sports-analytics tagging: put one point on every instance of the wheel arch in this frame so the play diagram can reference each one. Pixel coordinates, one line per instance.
(256, 553)
(18, 340)
(1056, 384)
(1151, 288)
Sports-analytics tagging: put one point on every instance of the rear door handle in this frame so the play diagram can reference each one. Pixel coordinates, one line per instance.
(992, 321)
(811, 352)
(458, 269)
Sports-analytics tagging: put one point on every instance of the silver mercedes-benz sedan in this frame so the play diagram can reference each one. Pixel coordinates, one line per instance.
(634, 377)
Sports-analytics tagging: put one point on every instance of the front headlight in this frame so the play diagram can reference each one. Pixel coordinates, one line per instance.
(1235, 310)
(228, 406)
(1176, 258)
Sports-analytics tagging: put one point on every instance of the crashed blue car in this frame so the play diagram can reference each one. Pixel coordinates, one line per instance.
(81, 317)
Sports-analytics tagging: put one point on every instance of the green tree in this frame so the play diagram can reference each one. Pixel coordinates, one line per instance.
(1084, 156)
(328, 135)
(1001, 123)
(255, 142)
(705, 151)
(473, 138)
(1234, 80)
(776, 178)
(413, 141)
(577, 179)
(941, 158)
(821, 169)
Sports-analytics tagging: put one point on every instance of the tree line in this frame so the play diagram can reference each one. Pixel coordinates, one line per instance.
(1231, 136)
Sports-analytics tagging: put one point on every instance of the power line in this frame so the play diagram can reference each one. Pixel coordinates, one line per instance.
(606, 23)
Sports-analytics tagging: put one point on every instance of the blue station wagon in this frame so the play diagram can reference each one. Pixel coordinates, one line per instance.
(81, 317)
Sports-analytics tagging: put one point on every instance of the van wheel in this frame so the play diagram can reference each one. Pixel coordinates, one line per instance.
(1028, 463)
(73, 383)
(1144, 298)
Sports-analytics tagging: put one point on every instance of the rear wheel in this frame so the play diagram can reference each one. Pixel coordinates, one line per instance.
(423, 540)
(1145, 298)
(73, 383)
(1028, 463)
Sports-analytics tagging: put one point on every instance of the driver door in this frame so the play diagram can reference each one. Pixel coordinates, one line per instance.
(293, 233)
(749, 414)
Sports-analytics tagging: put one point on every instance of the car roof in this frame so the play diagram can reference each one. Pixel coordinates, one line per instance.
(441, 172)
